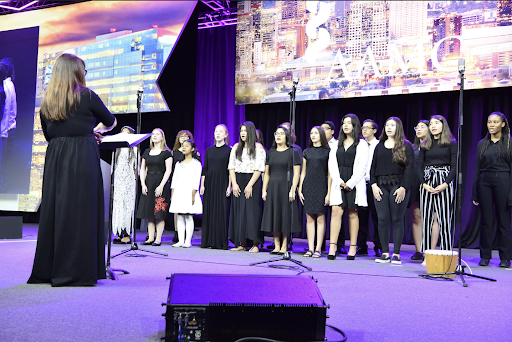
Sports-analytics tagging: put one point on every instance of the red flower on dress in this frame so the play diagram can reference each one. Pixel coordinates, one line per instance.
(160, 205)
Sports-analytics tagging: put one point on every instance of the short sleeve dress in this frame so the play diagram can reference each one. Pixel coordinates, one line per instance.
(314, 187)
(279, 215)
(149, 205)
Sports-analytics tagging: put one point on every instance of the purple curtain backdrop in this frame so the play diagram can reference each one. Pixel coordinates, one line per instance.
(215, 86)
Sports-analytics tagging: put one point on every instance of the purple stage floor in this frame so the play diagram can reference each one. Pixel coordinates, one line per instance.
(368, 301)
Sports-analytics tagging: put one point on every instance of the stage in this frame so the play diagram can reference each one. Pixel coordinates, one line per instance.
(368, 301)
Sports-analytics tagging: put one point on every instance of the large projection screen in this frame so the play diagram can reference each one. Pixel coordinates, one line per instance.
(125, 45)
(340, 49)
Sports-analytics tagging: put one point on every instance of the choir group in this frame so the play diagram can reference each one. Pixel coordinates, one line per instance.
(249, 192)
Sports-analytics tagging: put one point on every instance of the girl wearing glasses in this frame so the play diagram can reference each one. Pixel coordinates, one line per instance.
(347, 167)
(282, 171)
(438, 161)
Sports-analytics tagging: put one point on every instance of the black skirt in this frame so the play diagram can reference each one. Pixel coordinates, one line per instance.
(245, 216)
(70, 244)
(279, 215)
(151, 206)
(214, 230)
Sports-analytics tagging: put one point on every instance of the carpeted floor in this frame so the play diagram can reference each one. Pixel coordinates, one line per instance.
(368, 301)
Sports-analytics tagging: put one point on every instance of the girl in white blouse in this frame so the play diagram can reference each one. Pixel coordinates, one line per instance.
(246, 163)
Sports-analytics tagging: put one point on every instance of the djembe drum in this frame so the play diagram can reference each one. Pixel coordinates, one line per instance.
(439, 261)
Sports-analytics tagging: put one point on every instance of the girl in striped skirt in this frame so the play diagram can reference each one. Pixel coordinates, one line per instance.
(438, 161)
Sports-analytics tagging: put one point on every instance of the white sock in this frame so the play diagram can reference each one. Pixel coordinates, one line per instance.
(189, 229)
(180, 221)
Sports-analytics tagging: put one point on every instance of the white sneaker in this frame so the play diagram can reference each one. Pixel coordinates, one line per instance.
(179, 244)
(187, 246)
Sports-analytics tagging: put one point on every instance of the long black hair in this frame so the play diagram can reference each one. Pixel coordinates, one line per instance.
(250, 141)
(399, 156)
(286, 134)
(323, 139)
(417, 141)
(194, 152)
(356, 130)
(504, 148)
(446, 137)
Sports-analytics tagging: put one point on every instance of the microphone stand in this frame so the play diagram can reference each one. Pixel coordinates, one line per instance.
(460, 269)
(286, 256)
(134, 246)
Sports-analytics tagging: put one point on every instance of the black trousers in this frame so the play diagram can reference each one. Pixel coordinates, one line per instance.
(388, 211)
(364, 222)
(493, 189)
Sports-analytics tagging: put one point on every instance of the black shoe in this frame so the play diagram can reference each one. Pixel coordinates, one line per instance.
(175, 237)
(117, 241)
(148, 243)
(352, 257)
(156, 244)
(331, 257)
(362, 251)
(272, 246)
(378, 252)
(484, 262)
(418, 256)
(505, 263)
(383, 259)
(342, 251)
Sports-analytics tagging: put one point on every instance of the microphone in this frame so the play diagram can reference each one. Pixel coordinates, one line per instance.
(141, 89)
(296, 77)
(462, 65)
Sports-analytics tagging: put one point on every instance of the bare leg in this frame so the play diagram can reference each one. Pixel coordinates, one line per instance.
(160, 225)
(337, 214)
(435, 232)
(277, 242)
(310, 225)
(320, 232)
(175, 222)
(353, 227)
(284, 245)
(416, 226)
(151, 230)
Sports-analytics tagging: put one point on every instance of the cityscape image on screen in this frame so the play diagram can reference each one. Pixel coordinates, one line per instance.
(341, 49)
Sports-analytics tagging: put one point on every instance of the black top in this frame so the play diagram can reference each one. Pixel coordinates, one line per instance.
(439, 156)
(156, 163)
(490, 162)
(383, 165)
(346, 157)
(316, 158)
(216, 159)
(81, 121)
(275, 161)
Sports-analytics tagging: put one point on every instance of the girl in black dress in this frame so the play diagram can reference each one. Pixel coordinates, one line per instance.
(492, 188)
(71, 239)
(282, 172)
(216, 189)
(438, 161)
(390, 179)
(421, 130)
(154, 176)
(246, 163)
(314, 189)
(347, 168)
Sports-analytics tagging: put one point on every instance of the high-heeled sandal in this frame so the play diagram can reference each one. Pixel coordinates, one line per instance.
(352, 257)
(332, 257)
(317, 254)
(308, 254)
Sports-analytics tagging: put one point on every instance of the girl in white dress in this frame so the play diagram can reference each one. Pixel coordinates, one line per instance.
(184, 191)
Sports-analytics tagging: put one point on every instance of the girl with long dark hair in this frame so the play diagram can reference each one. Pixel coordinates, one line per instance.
(422, 133)
(492, 188)
(314, 189)
(438, 166)
(391, 178)
(347, 167)
(282, 172)
(246, 163)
